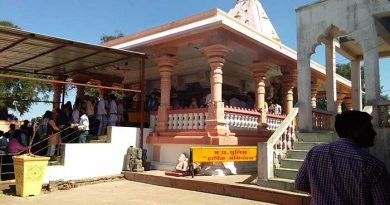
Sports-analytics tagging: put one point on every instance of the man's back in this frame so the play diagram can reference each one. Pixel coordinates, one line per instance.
(343, 173)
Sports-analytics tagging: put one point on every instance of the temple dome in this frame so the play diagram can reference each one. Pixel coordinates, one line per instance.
(251, 13)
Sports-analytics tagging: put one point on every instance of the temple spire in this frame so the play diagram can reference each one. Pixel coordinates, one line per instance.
(251, 13)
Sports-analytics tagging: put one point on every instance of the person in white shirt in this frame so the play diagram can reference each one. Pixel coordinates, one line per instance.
(101, 115)
(83, 127)
(113, 111)
(278, 109)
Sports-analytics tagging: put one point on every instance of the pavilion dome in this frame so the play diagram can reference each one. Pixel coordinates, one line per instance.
(251, 13)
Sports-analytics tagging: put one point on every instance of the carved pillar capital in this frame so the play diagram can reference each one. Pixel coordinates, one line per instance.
(288, 80)
(340, 98)
(216, 50)
(288, 84)
(259, 70)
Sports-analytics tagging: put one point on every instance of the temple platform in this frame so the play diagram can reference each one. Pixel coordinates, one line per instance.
(241, 186)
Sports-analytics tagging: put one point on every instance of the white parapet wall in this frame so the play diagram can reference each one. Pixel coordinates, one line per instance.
(96, 160)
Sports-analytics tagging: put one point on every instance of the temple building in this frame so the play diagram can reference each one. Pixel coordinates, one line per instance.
(227, 55)
(223, 79)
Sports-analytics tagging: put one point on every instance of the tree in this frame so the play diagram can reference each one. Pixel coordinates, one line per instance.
(19, 95)
(344, 70)
(106, 38)
(8, 24)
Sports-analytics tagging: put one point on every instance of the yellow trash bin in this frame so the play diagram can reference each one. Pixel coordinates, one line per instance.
(29, 172)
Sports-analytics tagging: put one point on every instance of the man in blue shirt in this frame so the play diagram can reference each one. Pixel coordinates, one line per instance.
(342, 172)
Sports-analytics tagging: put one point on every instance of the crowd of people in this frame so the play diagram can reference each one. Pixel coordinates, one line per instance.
(88, 116)
(15, 140)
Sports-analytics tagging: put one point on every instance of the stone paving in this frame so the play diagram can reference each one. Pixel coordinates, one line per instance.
(125, 192)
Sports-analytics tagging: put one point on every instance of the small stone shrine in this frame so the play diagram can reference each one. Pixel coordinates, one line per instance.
(133, 160)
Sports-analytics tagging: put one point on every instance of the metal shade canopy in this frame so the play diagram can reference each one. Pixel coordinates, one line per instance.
(28, 52)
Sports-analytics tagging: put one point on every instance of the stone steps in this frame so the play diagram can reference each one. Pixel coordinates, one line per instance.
(306, 145)
(292, 163)
(278, 183)
(317, 137)
(297, 154)
(286, 173)
(284, 176)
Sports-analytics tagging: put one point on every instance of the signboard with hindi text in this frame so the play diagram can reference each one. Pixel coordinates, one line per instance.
(224, 154)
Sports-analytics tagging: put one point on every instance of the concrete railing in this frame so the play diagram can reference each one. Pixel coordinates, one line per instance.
(274, 121)
(187, 119)
(275, 149)
(322, 119)
(241, 118)
(190, 119)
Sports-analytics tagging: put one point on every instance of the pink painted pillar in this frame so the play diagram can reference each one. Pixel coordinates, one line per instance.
(340, 97)
(165, 66)
(288, 84)
(259, 70)
(216, 55)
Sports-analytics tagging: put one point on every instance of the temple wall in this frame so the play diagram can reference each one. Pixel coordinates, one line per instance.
(96, 160)
(169, 153)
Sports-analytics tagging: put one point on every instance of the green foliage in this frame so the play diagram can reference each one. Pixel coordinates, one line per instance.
(321, 103)
(91, 91)
(8, 24)
(344, 70)
(106, 38)
(383, 96)
(24, 92)
(118, 94)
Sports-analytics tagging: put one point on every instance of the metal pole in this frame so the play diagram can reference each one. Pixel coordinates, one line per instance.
(142, 88)
(67, 83)
(63, 95)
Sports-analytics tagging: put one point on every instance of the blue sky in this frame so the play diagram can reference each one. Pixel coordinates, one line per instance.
(88, 20)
